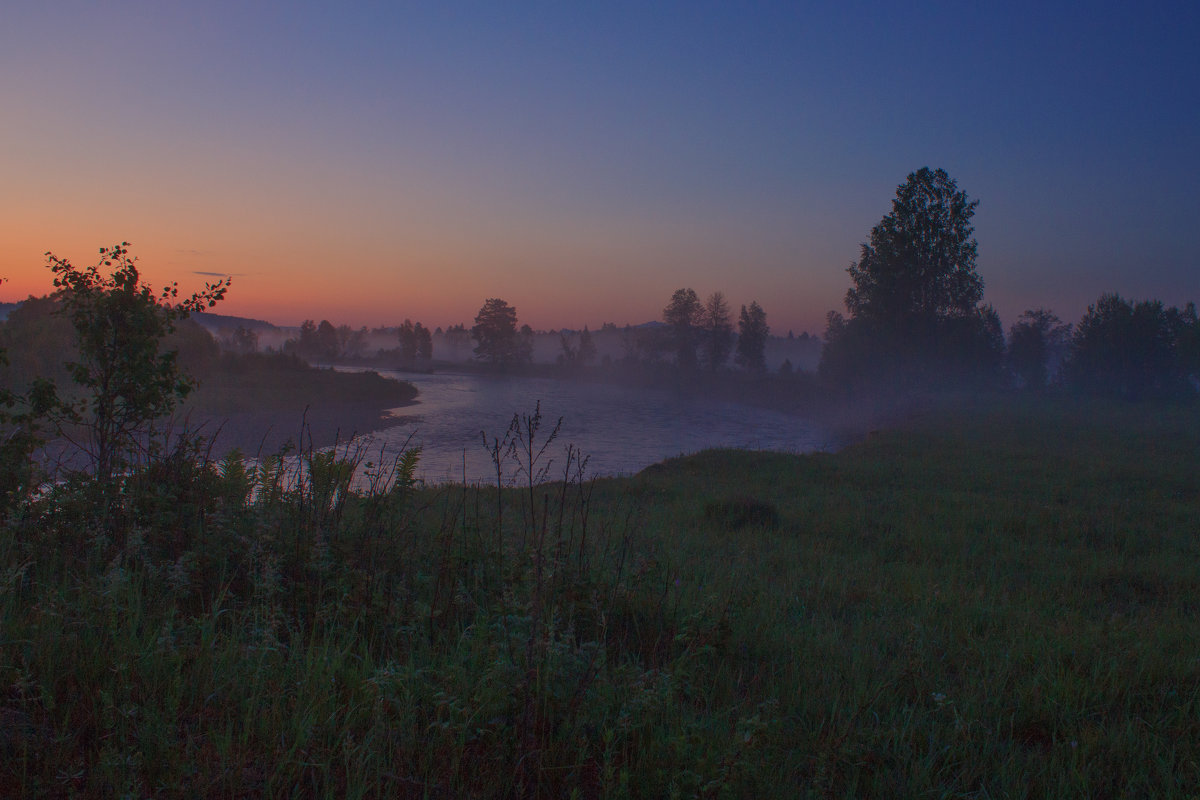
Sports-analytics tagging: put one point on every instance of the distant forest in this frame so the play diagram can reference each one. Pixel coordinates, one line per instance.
(414, 345)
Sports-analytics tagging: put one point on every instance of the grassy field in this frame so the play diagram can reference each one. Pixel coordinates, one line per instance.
(994, 601)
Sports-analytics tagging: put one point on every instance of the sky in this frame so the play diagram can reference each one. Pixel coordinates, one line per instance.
(371, 162)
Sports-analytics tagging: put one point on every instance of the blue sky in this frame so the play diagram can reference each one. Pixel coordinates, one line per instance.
(582, 161)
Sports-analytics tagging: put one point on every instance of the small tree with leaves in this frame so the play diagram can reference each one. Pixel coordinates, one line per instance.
(128, 379)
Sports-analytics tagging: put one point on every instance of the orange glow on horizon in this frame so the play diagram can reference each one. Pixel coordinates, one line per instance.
(380, 286)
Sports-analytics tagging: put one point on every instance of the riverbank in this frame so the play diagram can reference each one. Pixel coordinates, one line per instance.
(257, 404)
(256, 433)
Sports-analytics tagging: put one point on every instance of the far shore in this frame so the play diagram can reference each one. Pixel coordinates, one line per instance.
(259, 433)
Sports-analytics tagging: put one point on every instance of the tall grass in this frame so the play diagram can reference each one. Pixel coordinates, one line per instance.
(999, 602)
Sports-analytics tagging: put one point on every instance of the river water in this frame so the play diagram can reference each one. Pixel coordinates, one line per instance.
(620, 430)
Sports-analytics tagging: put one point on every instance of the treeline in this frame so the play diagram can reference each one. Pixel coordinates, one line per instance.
(700, 335)
(916, 318)
(495, 336)
(692, 334)
(1128, 349)
(409, 344)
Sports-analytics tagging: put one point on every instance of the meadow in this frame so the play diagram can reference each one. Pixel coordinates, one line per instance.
(993, 600)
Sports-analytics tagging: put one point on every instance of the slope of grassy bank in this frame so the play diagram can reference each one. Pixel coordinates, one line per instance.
(997, 602)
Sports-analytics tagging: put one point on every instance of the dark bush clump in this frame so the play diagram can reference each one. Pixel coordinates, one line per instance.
(741, 512)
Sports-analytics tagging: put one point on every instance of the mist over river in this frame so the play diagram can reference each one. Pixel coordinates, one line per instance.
(620, 429)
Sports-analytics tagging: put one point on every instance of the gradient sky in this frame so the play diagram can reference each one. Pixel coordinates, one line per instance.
(583, 160)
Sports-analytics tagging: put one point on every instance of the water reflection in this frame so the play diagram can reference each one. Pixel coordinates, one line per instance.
(621, 430)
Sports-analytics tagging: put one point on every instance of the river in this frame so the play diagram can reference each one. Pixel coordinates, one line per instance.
(620, 430)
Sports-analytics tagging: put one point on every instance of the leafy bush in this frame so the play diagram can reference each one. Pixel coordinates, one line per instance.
(742, 512)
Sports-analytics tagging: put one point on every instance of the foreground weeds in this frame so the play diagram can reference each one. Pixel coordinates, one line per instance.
(995, 604)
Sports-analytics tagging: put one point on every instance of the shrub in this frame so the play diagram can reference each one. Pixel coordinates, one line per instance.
(742, 512)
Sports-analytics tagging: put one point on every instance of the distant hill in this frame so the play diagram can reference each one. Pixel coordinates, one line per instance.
(217, 324)
(214, 323)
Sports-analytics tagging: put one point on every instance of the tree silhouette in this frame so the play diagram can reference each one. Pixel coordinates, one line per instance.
(752, 338)
(524, 345)
(682, 314)
(350, 342)
(569, 353)
(327, 342)
(920, 261)
(914, 305)
(1130, 349)
(424, 342)
(717, 332)
(242, 340)
(416, 342)
(573, 355)
(408, 341)
(496, 336)
(458, 338)
(305, 344)
(1188, 343)
(1034, 339)
(587, 348)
